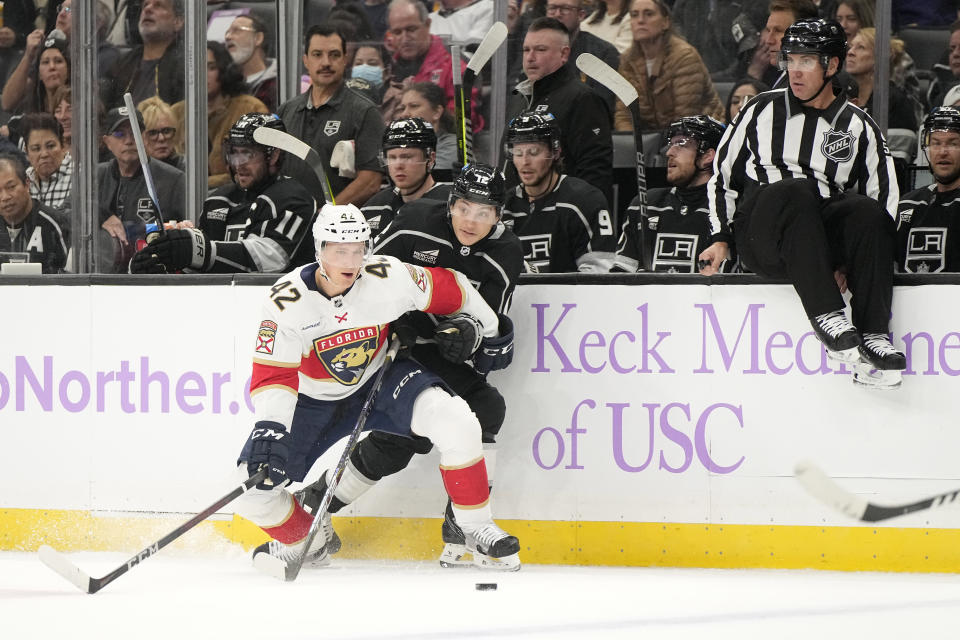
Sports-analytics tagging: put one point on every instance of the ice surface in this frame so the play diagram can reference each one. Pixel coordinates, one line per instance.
(184, 596)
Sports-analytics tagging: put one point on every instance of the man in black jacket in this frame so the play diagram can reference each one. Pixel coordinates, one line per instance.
(582, 115)
(29, 231)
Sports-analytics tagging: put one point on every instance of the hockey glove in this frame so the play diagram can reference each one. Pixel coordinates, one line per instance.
(173, 250)
(268, 448)
(404, 331)
(458, 337)
(496, 353)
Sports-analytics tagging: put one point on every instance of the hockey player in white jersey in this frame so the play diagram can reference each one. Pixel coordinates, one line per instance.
(321, 340)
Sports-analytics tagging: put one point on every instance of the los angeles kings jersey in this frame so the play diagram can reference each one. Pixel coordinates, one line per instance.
(928, 231)
(382, 207)
(328, 348)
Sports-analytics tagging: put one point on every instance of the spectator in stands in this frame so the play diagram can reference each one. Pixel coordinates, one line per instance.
(570, 13)
(783, 13)
(409, 154)
(63, 112)
(854, 15)
(947, 72)
(563, 222)
(44, 68)
(376, 11)
(421, 57)
(740, 94)
(154, 68)
(610, 21)
(668, 73)
(371, 67)
(227, 100)
(51, 165)
(924, 13)
(125, 204)
(160, 132)
(30, 231)
(709, 28)
(18, 21)
(246, 42)
(861, 65)
(581, 115)
(426, 100)
(462, 21)
(334, 120)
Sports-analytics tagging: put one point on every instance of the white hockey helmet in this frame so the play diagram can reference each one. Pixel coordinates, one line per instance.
(341, 223)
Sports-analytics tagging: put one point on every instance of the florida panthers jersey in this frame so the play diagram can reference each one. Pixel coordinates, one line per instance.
(928, 231)
(327, 348)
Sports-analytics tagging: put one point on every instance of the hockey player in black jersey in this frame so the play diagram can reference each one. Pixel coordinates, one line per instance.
(928, 220)
(784, 172)
(678, 223)
(259, 223)
(562, 221)
(409, 152)
(464, 234)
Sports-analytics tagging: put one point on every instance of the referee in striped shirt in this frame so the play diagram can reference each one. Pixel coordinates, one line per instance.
(782, 190)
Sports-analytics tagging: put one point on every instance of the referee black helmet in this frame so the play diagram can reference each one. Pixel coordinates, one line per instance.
(823, 37)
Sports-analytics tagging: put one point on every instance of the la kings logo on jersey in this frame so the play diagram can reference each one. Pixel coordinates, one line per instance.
(331, 127)
(675, 253)
(145, 210)
(926, 250)
(837, 145)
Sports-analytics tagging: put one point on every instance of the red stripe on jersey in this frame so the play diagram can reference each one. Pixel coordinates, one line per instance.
(447, 296)
(467, 487)
(265, 375)
(293, 529)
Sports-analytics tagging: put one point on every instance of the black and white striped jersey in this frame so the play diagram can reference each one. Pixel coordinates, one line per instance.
(928, 231)
(774, 138)
(566, 230)
(381, 208)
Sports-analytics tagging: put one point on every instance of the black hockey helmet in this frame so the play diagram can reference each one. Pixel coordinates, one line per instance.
(241, 133)
(815, 35)
(480, 183)
(410, 132)
(939, 119)
(705, 130)
(531, 126)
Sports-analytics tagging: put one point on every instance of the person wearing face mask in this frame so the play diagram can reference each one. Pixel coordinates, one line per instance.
(246, 42)
(369, 71)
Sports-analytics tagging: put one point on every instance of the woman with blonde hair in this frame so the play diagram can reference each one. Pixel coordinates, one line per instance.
(669, 74)
(861, 64)
(160, 132)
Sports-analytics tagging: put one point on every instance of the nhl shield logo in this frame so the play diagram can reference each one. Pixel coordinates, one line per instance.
(331, 127)
(346, 354)
(837, 145)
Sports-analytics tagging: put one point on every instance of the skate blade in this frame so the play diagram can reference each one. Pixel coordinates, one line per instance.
(455, 556)
(850, 356)
(884, 380)
(506, 563)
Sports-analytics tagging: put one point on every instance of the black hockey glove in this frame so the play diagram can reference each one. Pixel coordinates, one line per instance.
(268, 448)
(403, 330)
(496, 353)
(458, 337)
(173, 250)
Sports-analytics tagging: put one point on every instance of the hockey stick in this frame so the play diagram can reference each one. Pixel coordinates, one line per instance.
(289, 571)
(627, 93)
(144, 158)
(821, 486)
(59, 562)
(291, 144)
(463, 88)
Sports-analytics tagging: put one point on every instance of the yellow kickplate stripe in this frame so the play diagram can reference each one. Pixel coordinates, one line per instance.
(542, 542)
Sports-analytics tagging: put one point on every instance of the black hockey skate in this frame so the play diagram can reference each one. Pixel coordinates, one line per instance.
(838, 335)
(310, 498)
(881, 364)
(492, 547)
(317, 557)
(455, 546)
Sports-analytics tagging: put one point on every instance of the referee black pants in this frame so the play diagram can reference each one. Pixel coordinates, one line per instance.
(787, 230)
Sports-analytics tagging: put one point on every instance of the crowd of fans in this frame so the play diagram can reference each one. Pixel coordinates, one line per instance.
(374, 62)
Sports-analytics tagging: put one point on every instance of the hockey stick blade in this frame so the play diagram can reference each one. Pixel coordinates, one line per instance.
(608, 77)
(291, 144)
(59, 562)
(822, 487)
(487, 47)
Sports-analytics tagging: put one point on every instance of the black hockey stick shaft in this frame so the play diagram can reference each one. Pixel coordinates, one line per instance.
(293, 569)
(65, 568)
(144, 158)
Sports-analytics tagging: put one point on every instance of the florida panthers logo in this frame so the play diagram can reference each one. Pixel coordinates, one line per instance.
(345, 355)
(837, 145)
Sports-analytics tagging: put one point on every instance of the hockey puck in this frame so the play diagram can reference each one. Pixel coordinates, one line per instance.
(486, 586)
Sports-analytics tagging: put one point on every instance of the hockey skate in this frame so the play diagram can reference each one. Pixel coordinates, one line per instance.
(270, 552)
(491, 546)
(838, 336)
(455, 546)
(310, 498)
(880, 365)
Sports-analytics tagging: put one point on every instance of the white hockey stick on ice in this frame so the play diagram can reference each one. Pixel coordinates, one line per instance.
(291, 144)
(821, 486)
